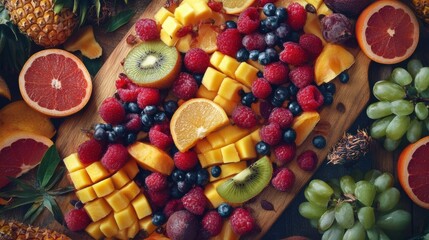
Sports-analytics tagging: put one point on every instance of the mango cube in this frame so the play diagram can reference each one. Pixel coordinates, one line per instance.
(203, 160)
(203, 92)
(73, 163)
(184, 43)
(80, 179)
(120, 178)
(93, 230)
(216, 58)
(233, 133)
(230, 154)
(97, 171)
(171, 26)
(131, 190)
(161, 15)
(133, 230)
(85, 195)
(125, 218)
(212, 195)
(255, 136)
(229, 89)
(117, 201)
(104, 187)
(226, 104)
(151, 158)
(131, 168)
(97, 209)
(121, 234)
(215, 140)
(141, 206)
(212, 79)
(147, 225)
(246, 74)
(167, 38)
(203, 146)
(109, 227)
(213, 157)
(228, 170)
(304, 125)
(185, 14)
(201, 10)
(229, 65)
(246, 148)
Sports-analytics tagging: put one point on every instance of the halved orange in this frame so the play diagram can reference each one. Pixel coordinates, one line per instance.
(413, 172)
(387, 31)
(194, 120)
(206, 39)
(236, 6)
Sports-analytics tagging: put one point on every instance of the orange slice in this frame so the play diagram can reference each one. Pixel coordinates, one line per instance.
(206, 39)
(236, 6)
(194, 120)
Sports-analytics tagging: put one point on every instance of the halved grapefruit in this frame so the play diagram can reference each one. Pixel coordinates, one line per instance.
(55, 82)
(387, 31)
(413, 171)
(20, 152)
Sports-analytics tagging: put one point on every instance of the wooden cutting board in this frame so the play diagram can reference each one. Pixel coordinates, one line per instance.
(349, 101)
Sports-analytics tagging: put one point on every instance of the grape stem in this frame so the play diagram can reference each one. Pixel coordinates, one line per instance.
(417, 99)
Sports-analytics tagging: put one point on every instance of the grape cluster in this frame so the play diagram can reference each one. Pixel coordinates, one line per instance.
(346, 208)
(402, 109)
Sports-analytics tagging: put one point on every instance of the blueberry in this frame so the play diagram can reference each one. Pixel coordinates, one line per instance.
(295, 108)
(263, 58)
(253, 55)
(260, 74)
(294, 37)
(183, 186)
(322, 88)
(319, 142)
(270, 39)
(262, 148)
(132, 107)
(272, 54)
(248, 99)
(230, 24)
(175, 193)
(344, 77)
(173, 150)
(191, 178)
(269, 9)
(242, 55)
(146, 120)
(100, 134)
(170, 107)
(224, 210)
(263, 26)
(202, 177)
(108, 127)
(159, 218)
(119, 130)
(99, 125)
(198, 78)
(111, 136)
(330, 87)
(160, 117)
(216, 171)
(283, 31)
(178, 175)
(276, 102)
(150, 110)
(289, 135)
(272, 22)
(130, 138)
(293, 90)
(281, 93)
(281, 13)
(328, 98)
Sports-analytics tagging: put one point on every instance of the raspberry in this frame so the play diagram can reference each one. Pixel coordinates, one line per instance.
(254, 41)
(196, 60)
(147, 29)
(115, 157)
(307, 160)
(293, 54)
(242, 221)
(229, 42)
(283, 180)
(148, 96)
(309, 98)
(215, 6)
(128, 95)
(312, 44)
(302, 76)
(185, 161)
(159, 198)
(248, 21)
(261, 88)
(111, 111)
(160, 137)
(271, 133)
(195, 201)
(156, 182)
(244, 117)
(184, 31)
(282, 116)
(77, 219)
(276, 73)
(133, 122)
(90, 151)
(123, 81)
(284, 153)
(173, 206)
(297, 16)
(185, 86)
(212, 223)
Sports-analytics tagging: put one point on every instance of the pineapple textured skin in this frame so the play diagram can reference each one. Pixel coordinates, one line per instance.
(422, 9)
(13, 230)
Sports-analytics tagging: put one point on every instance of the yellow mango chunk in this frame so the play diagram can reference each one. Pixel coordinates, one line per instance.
(233, 133)
(246, 74)
(255, 136)
(229, 89)
(246, 148)
(315, 3)
(131, 190)
(185, 14)
(201, 10)
(131, 168)
(161, 15)
(97, 171)
(229, 65)
(230, 154)
(203, 146)
(104, 187)
(228, 170)
(125, 218)
(97, 209)
(212, 195)
(215, 140)
(184, 43)
(117, 201)
(167, 38)
(84, 41)
(304, 125)
(93, 230)
(86, 195)
(122, 234)
(212, 79)
(109, 227)
(80, 179)
(203, 160)
(227, 233)
(333, 60)
(120, 178)
(147, 225)
(216, 58)
(151, 158)
(73, 163)
(226, 104)
(211, 158)
(171, 26)
(203, 92)
(133, 230)
(141, 206)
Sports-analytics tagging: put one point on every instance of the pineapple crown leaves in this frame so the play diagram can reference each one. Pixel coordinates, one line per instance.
(42, 194)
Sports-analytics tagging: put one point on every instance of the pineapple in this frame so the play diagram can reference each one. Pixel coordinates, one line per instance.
(422, 9)
(11, 230)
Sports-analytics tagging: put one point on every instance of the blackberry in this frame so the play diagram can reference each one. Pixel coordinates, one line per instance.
(262, 148)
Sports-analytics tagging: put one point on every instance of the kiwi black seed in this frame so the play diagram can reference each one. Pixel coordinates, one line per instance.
(152, 64)
(248, 183)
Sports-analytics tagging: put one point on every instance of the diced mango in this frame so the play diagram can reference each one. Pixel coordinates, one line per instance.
(131, 168)
(80, 179)
(315, 3)
(73, 163)
(86, 195)
(161, 15)
(246, 148)
(228, 170)
(255, 136)
(109, 227)
(230, 154)
(97, 209)
(184, 43)
(212, 195)
(212, 157)
(203, 160)
(126, 217)
(227, 233)
(120, 178)
(171, 26)
(97, 171)
(131, 190)
(233, 133)
(151, 158)
(141, 206)
(122, 234)
(133, 230)
(203, 146)
(185, 14)
(216, 58)
(93, 229)
(304, 125)
(229, 65)
(246, 74)
(117, 201)
(104, 187)
(215, 140)
(203, 92)
(201, 10)
(167, 38)
(229, 89)
(212, 79)
(226, 104)
(147, 225)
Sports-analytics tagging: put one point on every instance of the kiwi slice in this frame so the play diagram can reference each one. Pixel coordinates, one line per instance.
(152, 64)
(247, 183)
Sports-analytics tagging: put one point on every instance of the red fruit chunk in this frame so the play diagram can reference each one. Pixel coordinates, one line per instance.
(248, 21)
(312, 44)
(309, 98)
(173, 206)
(111, 111)
(261, 88)
(254, 41)
(196, 60)
(159, 198)
(297, 16)
(271, 134)
(185, 161)
(229, 42)
(195, 201)
(147, 29)
(115, 157)
(185, 86)
(284, 153)
(156, 182)
(244, 117)
(282, 116)
(148, 96)
(283, 180)
(215, 6)
(242, 221)
(212, 223)
(307, 161)
(302, 76)
(293, 54)
(133, 122)
(276, 73)
(90, 151)
(77, 219)
(160, 136)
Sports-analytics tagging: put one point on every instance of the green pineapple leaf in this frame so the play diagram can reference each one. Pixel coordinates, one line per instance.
(119, 20)
(47, 166)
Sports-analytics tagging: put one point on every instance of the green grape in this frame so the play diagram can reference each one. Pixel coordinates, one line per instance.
(421, 81)
(311, 211)
(335, 185)
(382, 236)
(372, 234)
(414, 66)
(379, 109)
(366, 217)
(313, 197)
(371, 175)
(397, 220)
(424, 94)
(326, 220)
(388, 91)
(414, 131)
(347, 184)
(335, 232)
(402, 107)
(321, 187)
(357, 232)
(378, 128)
(401, 76)
(383, 182)
(411, 91)
(391, 145)
(398, 127)
(388, 199)
(421, 110)
(365, 192)
(344, 215)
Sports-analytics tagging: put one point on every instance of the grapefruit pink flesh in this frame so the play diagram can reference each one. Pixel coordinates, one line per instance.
(418, 169)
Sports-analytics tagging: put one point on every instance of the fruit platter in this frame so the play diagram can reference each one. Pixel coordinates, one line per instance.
(216, 120)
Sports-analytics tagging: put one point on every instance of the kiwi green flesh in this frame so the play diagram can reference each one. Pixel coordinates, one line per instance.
(150, 61)
(247, 183)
